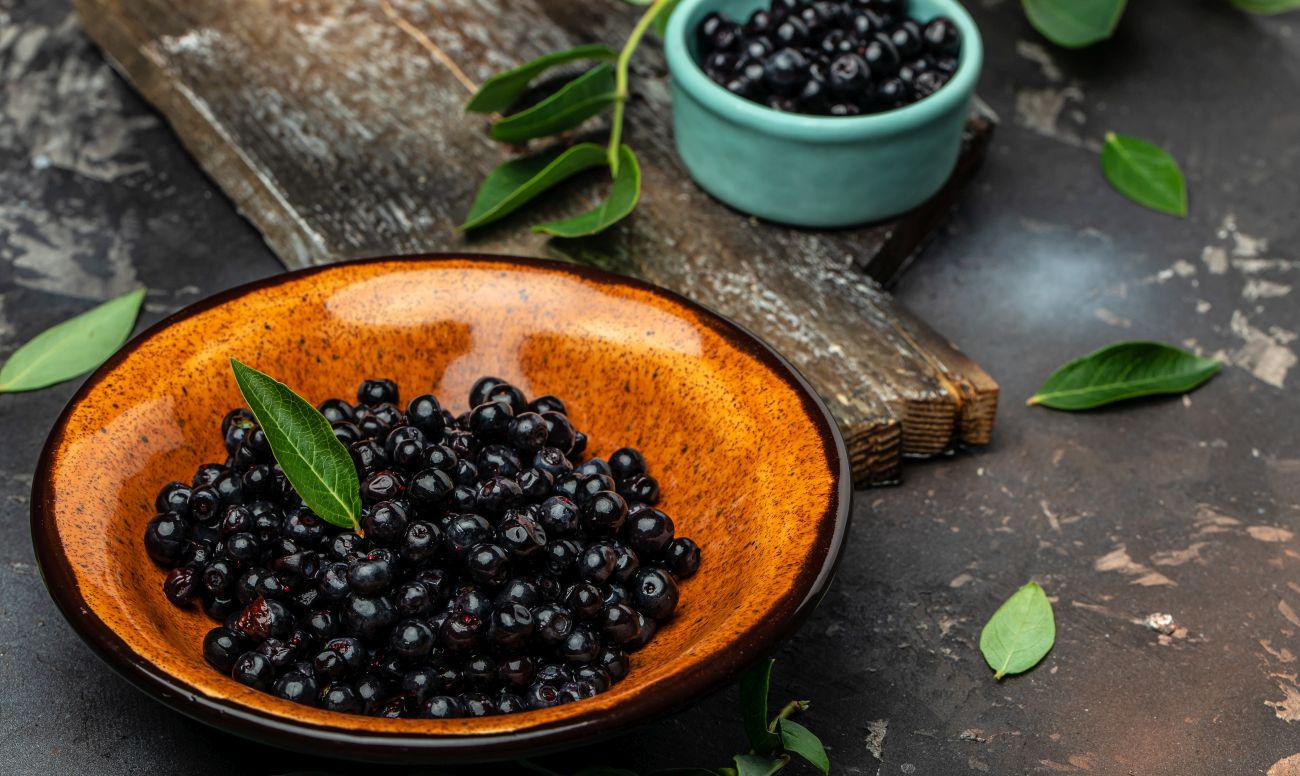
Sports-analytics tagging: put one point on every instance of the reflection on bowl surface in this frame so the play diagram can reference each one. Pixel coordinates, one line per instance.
(749, 462)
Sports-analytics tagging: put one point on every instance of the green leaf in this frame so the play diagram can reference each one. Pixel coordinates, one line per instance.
(1019, 633)
(519, 180)
(501, 90)
(73, 347)
(623, 196)
(753, 708)
(1074, 23)
(1267, 6)
(661, 21)
(574, 103)
(1144, 173)
(1123, 371)
(757, 765)
(797, 739)
(313, 459)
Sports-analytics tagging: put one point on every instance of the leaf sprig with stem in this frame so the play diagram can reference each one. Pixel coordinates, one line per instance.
(603, 87)
(773, 742)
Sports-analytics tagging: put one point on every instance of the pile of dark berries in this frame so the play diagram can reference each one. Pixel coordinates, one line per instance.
(498, 570)
(830, 57)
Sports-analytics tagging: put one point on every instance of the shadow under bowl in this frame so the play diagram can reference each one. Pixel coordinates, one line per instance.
(750, 463)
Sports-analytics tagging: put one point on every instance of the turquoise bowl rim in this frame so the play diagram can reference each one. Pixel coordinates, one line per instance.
(822, 129)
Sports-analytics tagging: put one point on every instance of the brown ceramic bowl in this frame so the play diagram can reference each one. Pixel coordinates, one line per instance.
(750, 463)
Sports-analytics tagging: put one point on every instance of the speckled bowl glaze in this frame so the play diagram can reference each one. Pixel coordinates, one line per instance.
(818, 171)
(749, 461)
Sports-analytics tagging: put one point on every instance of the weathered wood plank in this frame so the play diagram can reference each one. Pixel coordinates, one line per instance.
(337, 128)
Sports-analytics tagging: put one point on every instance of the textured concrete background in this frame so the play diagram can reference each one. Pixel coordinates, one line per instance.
(1164, 530)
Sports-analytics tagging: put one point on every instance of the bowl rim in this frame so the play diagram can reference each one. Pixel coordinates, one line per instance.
(690, 77)
(250, 722)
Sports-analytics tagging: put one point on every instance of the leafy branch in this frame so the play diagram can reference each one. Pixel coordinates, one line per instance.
(774, 743)
(602, 87)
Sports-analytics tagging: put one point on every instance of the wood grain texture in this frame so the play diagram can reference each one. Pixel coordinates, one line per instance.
(337, 127)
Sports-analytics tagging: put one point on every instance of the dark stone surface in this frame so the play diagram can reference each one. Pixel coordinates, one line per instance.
(1180, 508)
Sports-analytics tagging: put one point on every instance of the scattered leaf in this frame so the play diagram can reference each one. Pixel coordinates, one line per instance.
(797, 739)
(1074, 23)
(1144, 173)
(758, 765)
(622, 198)
(1123, 371)
(73, 347)
(313, 459)
(1019, 633)
(501, 90)
(1267, 7)
(574, 103)
(753, 708)
(517, 181)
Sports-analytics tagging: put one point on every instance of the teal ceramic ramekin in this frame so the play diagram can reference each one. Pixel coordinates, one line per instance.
(820, 171)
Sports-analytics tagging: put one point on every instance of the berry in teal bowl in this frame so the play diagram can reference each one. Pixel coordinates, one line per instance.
(821, 114)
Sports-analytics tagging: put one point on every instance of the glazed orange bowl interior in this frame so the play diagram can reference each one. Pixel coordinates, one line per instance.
(749, 464)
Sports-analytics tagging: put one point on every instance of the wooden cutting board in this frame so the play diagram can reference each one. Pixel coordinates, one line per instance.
(337, 127)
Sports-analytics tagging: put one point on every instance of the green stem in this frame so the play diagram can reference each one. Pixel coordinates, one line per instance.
(787, 711)
(620, 79)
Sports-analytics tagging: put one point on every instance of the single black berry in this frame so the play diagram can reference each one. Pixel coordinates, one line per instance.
(297, 687)
(648, 532)
(221, 647)
(547, 403)
(377, 391)
(253, 669)
(174, 497)
(553, 623)
(849, 75)
(654, 593)
(682, 558)
(165, 539)
(340, 696)
(785, 71)
(626, 462)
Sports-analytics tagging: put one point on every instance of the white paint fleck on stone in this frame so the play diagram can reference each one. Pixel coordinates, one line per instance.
(1259, 288)
(1106, 316)
(1215, 259)
(1119, 560)
(1038, 54)
(1265, 354)
(876, 730)
(1039, 110)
